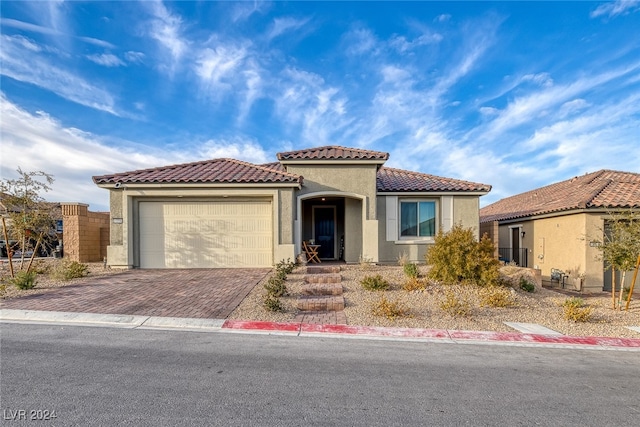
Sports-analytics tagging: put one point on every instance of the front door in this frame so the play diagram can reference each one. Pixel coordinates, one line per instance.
(515, 246)
(324, 230)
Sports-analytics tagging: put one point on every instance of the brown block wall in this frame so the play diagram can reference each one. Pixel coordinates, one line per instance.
(85, 234)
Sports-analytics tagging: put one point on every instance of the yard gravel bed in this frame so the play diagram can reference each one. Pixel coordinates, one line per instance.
(542, 307)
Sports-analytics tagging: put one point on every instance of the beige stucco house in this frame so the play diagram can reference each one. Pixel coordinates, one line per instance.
(555, 226)
(229, 213)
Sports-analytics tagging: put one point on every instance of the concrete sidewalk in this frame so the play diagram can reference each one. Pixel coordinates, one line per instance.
(312, 330)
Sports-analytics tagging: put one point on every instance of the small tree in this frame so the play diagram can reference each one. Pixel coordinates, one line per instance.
(30, 217)
(457, 256)
(620, 246)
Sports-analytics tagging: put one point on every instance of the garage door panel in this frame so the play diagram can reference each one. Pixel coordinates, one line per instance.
(205, 234)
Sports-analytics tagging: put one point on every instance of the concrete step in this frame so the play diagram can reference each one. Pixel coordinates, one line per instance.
(317, 269)
(322, 289)
(323, 278)
(320, 303)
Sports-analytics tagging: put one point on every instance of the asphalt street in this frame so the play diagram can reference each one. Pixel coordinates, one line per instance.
(108, 376)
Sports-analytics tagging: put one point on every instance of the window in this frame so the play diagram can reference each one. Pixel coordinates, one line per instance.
(417, 219)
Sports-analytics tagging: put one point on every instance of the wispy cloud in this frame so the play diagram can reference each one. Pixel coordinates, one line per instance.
(281, 26)
(52, 32)
(166, 29)
(135, 57)
(106, 59)
(37, 70)
(218, 67)
(615, 8)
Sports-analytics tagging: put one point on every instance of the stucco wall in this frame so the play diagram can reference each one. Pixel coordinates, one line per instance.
(353, 230)
(560, 242)
(465, 212)
(357, 179)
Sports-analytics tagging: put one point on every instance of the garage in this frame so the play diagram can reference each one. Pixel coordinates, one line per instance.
(205, 234)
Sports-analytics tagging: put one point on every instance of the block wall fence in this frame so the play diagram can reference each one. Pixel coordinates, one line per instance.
(85, 234)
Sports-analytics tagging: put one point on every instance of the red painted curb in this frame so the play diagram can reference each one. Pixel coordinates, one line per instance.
(261, 326)
(488, 336)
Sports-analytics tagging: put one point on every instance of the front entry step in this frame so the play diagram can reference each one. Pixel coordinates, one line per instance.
(317, 269)
(322, 278)
(320, 303)
(322, 289)
(322, 317)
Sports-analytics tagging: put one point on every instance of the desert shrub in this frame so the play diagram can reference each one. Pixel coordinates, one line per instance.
(625, 292)
(414, 284)
(403, 258)
(68, 270)
(496, 296)
(365, 262)
(24, 280)
(575, 310)
(374, 283)
(457, 257)
(454, 305)
(286, 266)
(276, 287)
(272, 303)
(40, 267)
(410, 269)
(389, 309)
(526, 285)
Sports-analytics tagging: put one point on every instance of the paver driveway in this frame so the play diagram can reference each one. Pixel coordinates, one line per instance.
(194, 293)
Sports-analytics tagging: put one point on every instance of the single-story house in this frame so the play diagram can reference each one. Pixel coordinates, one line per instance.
(230, 213)
(555, 227)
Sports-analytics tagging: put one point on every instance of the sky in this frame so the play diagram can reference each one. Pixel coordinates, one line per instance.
(517, 95)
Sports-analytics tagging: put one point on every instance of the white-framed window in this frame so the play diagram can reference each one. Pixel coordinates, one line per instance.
(418, 218)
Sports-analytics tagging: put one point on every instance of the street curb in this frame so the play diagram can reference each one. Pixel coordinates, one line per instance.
(433, 335)
(316, 330)
(109, 320)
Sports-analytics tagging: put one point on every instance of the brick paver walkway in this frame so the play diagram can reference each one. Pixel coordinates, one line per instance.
(191, 293)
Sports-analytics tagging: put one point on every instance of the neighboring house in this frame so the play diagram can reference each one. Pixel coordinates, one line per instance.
(229, 213)
(553, 226)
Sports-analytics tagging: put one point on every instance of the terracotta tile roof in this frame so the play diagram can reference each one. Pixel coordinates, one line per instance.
(275, 166)
(208, 171)
(601, 189)
(333, 152)
(398, 180)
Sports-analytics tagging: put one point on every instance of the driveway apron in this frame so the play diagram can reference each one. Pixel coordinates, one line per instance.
(190, 293)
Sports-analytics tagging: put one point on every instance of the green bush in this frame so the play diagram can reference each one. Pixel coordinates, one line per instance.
(68, 270)
(276, 287)
(272, 303)
(526, 285)
(374, 283)
(410, 269)
(456, 257)
(24, 280)
(286, 266)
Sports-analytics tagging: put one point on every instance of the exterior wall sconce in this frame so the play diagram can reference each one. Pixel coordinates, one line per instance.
(522, 234)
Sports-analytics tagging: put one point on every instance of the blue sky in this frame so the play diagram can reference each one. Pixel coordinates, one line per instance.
(512, 94)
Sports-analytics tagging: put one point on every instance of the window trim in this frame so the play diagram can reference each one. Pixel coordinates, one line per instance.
(416, 239)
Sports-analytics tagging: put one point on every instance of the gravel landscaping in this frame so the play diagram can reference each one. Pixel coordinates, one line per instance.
(542, 306)
(424, 306)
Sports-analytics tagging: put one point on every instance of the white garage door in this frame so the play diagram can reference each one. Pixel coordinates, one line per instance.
(205, 234)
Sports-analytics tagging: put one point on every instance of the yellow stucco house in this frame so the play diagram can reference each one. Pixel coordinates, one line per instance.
(229, 213)
(553, 227)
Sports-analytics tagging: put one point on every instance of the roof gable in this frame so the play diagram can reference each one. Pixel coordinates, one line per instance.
(601, 189)
(398, 180)
(208, 171)
(333, 152)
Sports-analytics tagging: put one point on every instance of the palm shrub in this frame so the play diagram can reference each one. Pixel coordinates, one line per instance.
(457, 257)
